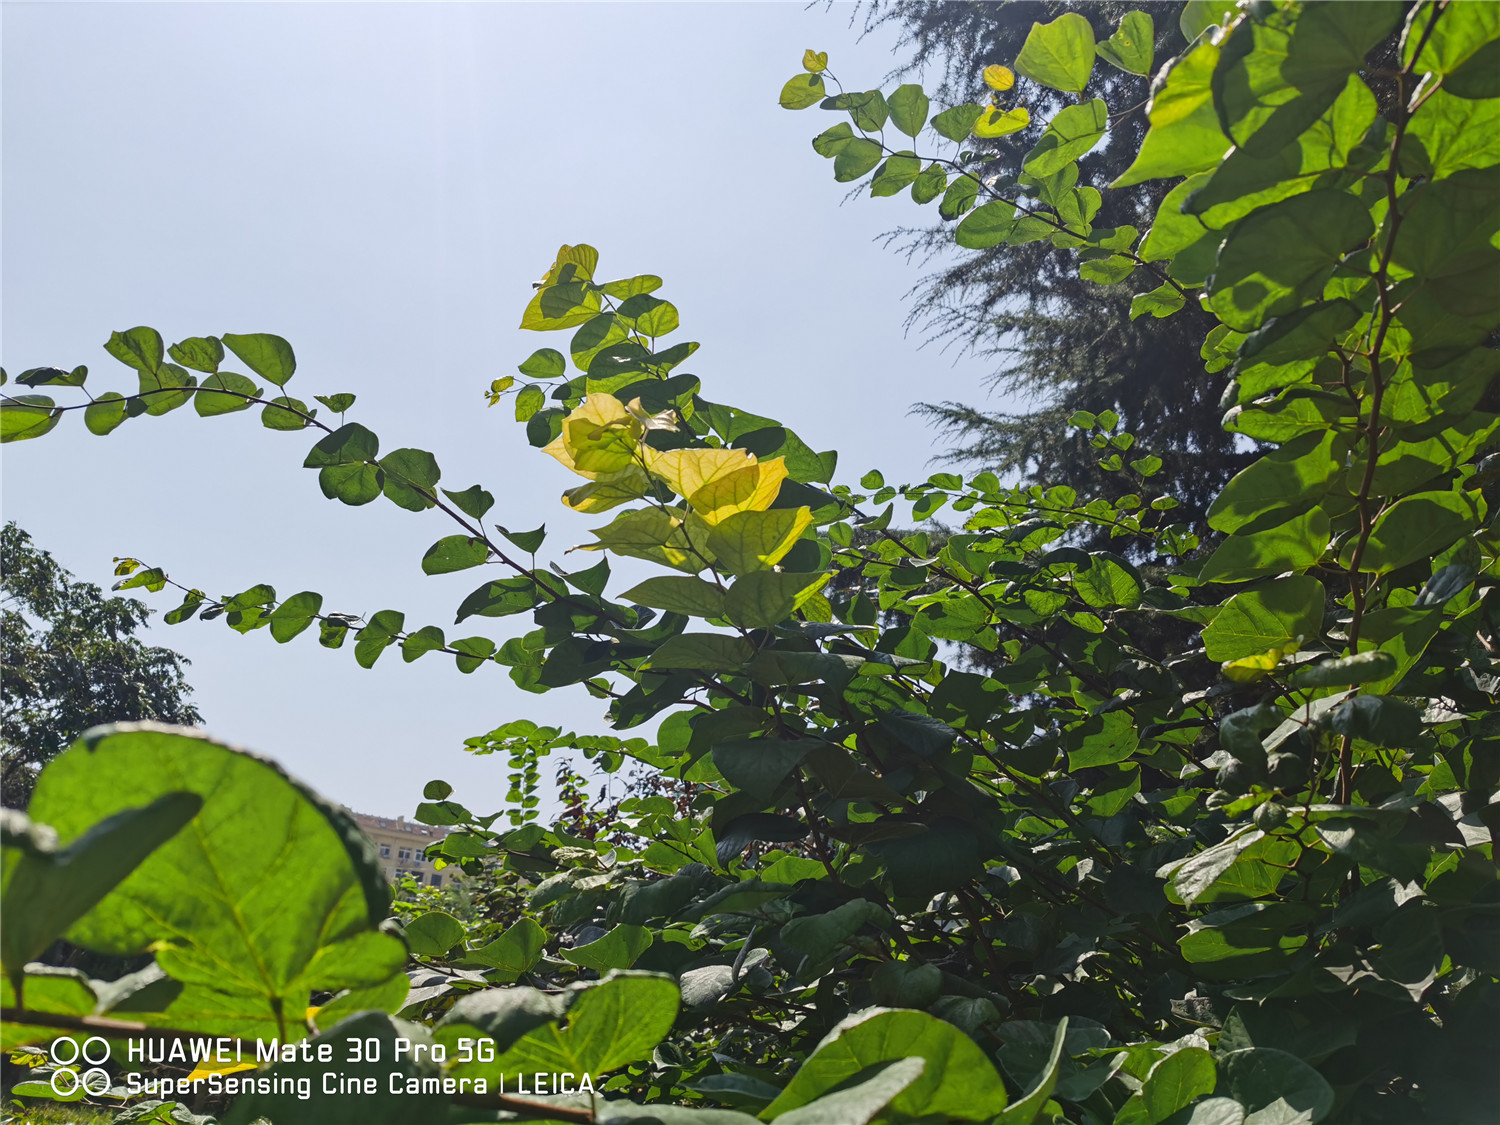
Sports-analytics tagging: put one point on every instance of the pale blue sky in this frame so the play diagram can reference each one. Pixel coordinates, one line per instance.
(381, 184)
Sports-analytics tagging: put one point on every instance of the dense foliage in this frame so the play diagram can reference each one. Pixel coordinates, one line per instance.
(69, 658)
(1210, 843)
(1058, 343)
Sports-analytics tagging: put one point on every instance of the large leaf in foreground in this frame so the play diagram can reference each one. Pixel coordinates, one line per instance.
(229, 903)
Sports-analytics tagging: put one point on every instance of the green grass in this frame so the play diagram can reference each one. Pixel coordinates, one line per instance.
(35, 1112)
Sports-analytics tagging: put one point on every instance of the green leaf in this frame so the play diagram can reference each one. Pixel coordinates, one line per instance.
(1177, 1081)
(802, 91)
(715, 652)
(545, 363)
(284, 413)
(1259, 550)
(1130, 47)
(1106, 740)
(957, 123)
(1072, 133)
(751, 541)
(47, 889)
(352, 484)
(200, 897)
(1200, 15)
(1276, 1088)
(1297, 473)
(515, 951)
(958, 1080)
(105, 413)
(831, 141)
(201, 353)
(165, 390)
(1059, 54)
(411, 475)
(765, 598)
(759, 765)
(473, 502)
(860, 1103)
(528, 541)
(1108, 582)
(501, 598)
(141, 348)
(403, 1054)
(434, 933)
(855, 159)
(930, 184)
(1357, 669)
(455, 552)
(652, 316)
(1460, 32)
(1282, 255)
(27, 416)
(614, 1022)
(908, 105)
(896, 174)
(529, 399)
(959, 197)
(268, 356)
(294, 615)
(472, 652)
(1162, 301)
(1184, 136)
(53, 377)
(336, 403)
(351, 443)
(1025, 1111)
(429, 638)
(867, 109)
(211, 399)
(1415, 527)
(683, 594)
(618, 949)
(1266, 617)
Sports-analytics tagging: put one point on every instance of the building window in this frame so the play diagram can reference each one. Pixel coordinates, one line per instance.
(385, 851)
(437, 880)
(404, 853)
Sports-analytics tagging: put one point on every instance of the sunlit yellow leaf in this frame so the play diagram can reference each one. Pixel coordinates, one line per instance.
(608, 490)
(719, 482)
(502, 384)
(814, 61)
(749, 541)
(597, 439)
(999, 77)
(1248, 669)
(997, 122)
(204, 1069)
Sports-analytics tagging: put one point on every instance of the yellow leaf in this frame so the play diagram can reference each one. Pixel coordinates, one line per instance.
(688, 470)
(814, 61)
(749, 541)
(654, 535)
(608, 490)
(997, 122)
(207, 1067)
(999, 78)
(720, 482)
(597, 439)
(1248, 669)
(499, 386)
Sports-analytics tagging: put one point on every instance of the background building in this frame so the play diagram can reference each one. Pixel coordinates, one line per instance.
(401, 843)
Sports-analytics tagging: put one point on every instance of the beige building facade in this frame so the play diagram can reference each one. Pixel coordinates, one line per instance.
(401, 843)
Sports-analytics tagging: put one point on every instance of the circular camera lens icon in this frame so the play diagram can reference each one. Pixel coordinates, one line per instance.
(66, 1080)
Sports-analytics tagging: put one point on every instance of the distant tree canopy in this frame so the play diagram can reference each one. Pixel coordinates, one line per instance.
(69, 660)
(1059, 342)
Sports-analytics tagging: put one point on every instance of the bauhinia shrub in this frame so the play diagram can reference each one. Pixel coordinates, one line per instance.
(1211, 843)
